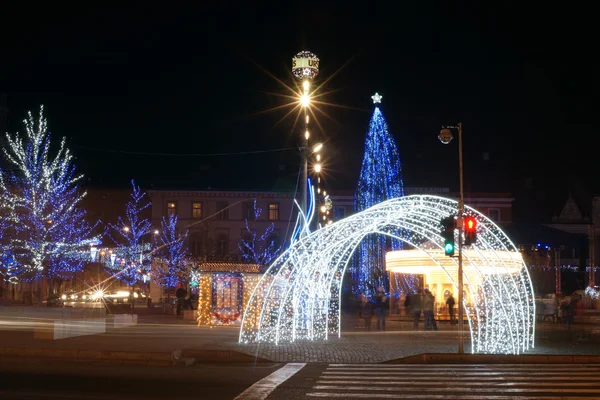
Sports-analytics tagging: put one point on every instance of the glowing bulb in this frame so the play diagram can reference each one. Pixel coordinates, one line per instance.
(305, 100)
(306, 135)
(323, 209)
(306, 85)
(318, 157)
(307, 119)
(156, 231)
(126, 228)
(64, 297)
(317, 167)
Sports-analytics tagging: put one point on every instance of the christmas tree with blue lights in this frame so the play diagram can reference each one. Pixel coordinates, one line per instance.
(168, 267)
(131, 235)
(255, 248)
(380, 179)
(45, 231)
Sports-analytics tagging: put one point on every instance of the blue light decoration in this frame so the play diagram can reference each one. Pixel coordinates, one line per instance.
(169, 266)
(380, 179)
(44, 226)
(134, 250)
(10, 270)
(257, 249)
(302, 229)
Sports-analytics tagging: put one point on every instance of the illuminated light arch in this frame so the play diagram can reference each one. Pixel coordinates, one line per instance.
(298, 298)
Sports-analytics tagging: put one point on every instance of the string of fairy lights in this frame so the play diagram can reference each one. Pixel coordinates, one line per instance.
(298, 298)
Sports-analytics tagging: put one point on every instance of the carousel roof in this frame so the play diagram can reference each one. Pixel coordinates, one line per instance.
(228, 267)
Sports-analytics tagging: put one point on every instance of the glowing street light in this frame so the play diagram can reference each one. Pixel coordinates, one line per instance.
(305, 66)
(446, 137)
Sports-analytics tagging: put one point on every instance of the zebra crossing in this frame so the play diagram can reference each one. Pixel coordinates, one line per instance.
(465, 382)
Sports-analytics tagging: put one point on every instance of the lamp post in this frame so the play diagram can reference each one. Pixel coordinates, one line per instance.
(305, 66)
(445, 137)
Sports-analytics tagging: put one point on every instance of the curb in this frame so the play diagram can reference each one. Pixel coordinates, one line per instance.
(445, 358)
(157, 359)
(223, 356)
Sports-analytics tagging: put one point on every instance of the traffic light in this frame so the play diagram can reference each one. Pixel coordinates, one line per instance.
(470, 228)
(448, 227)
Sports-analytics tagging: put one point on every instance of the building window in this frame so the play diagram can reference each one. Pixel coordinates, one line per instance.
(222, 245)
(339, 213)
(222, 210)
(196, 209)
(249, 211)
(171, 208)
(494, 214)
(196, 244)
(273, 211)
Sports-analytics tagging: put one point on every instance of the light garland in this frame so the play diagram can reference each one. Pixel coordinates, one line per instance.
(298, 298)
(43, 225)
(133, 253)
(258, 249)
(380, 179)
(169, 266)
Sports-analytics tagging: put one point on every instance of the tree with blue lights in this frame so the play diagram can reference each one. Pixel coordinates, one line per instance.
(40, 199)
(380, 179)
(129, 234)
(255, 248)
(169, 263)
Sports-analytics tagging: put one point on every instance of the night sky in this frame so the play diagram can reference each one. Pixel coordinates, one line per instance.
(134, 87)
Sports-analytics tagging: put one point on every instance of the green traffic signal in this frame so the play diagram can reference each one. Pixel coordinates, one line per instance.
(449, 248)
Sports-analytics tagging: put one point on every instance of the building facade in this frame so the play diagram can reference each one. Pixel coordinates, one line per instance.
(496, 206)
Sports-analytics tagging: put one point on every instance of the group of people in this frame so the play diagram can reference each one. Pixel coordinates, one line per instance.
(423, 302)
(184, 301)
(420, 303)
(377, 306)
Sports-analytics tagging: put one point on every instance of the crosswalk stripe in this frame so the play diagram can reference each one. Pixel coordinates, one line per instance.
(452, 382)
(439, 397)
(456, 378)
(466, 366)
(497, 383)
(489, 368)
(453, 373)
(449, 388)
(261, 389)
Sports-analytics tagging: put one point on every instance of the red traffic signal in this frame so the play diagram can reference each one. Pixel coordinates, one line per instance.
(470, 229)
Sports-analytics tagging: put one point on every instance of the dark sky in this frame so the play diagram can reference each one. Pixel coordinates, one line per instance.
(127, 85)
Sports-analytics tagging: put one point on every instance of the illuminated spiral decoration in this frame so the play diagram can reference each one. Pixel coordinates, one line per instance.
(305, 65)
(298, 297)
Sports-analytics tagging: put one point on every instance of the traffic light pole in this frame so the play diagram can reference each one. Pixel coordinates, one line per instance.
(461, 208)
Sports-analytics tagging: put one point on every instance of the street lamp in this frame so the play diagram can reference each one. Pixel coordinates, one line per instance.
(446, 137)
(305, 66)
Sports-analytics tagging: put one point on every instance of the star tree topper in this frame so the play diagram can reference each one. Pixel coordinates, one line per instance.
(376, 98)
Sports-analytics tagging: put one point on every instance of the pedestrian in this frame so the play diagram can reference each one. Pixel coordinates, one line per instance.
(366, 313)
(572, 309)
(428, 306)
(416, 304)
(181, 294)
(381, 305)
(450, 303)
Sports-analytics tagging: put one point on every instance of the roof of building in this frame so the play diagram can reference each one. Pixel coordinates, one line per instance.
(228, 267)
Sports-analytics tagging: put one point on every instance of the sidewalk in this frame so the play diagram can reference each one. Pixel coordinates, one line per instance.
(157, 339)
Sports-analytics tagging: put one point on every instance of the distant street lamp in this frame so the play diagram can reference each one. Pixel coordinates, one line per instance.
(305, 66)
(446, 137)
